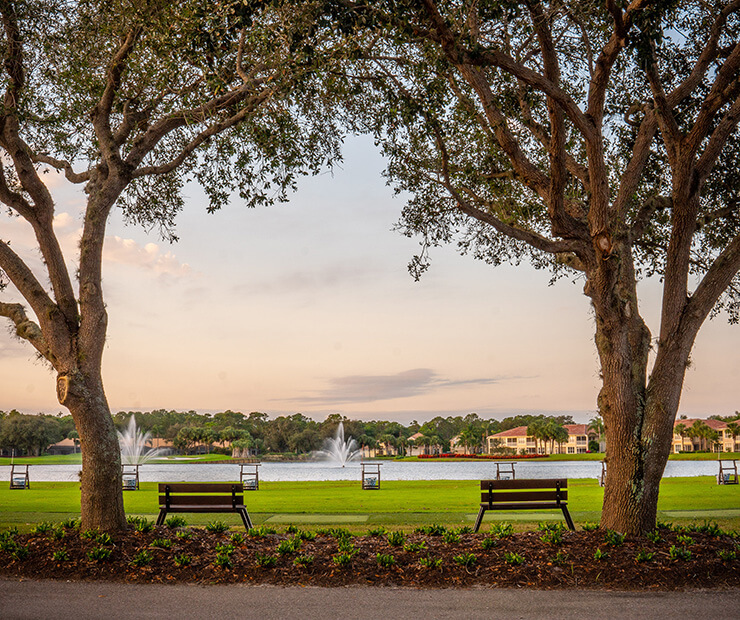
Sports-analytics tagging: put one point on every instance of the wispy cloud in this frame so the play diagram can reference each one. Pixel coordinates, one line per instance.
(330, 277)
(371, 388)
(148, 257)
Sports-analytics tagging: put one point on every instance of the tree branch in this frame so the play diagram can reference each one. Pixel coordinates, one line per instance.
(535, 240)
(65, 166)
(24, 327)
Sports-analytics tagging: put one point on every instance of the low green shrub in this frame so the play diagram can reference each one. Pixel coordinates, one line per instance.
(386, 560)
(142, 558)
(513, 558)
(216, 527)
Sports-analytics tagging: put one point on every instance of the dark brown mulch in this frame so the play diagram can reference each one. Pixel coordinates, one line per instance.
(714, 560)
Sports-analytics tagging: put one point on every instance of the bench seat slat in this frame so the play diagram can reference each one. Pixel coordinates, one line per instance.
(199, 487)
(201, 500)
(541, 483)
(527, 506)
(523, 496)
(203, 508)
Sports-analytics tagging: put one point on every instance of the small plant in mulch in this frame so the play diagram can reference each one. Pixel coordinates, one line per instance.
(415, 547)
(709, 527)
(184, 534)
(182, 560)
(613, 538)
(679, 553)
(644, 556)
(141, 524)
(464, 529)
(684, 540)
(306, 535)
(289, 545)
(560, 558)
(142, 558)
(223, 560)
(502, 530)
(227, 548)
(261, 531)
(292, 529)
(216, 527)
(396, 539)
(43, 528)
(57, 533)
(161, 543)
(303, 560)
(176, 521)
(451, 537)
(513, 558)
(431, 530)
(556, 526)
(552, 537)
(590, 527)
(600, 555)
(489, 542)
(342, 559)
(430, 562)
(71, 523)
(465, 559)
(654, 536)
(99, 554)
(386, 560)
(727, 555)
(376, 532)
(265, 560)
(20, 553)
(60, 555)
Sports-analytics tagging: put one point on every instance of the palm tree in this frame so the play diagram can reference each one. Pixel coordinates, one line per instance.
(680, 430)
(734, 429)
(596, 425)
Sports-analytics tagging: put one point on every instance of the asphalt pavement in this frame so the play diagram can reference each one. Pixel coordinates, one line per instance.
(85, 600)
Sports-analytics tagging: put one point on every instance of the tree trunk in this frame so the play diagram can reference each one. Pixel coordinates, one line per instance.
(101, 503)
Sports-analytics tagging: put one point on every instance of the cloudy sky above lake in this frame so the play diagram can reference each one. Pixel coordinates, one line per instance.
(308, 307)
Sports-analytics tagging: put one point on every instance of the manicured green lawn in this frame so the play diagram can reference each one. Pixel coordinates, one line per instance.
(397, 503)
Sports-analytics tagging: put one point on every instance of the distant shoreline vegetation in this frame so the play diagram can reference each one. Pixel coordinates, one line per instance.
(232, 434)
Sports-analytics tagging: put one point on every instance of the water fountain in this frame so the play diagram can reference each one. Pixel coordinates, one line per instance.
(134, 449)
(339, 450)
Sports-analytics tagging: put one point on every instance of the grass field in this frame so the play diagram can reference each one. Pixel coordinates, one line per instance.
(401, 504)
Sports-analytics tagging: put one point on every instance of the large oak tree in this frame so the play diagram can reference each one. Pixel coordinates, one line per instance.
(599, 138)
(129, 100)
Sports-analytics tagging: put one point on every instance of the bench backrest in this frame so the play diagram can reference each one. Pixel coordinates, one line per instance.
(553, 490)
(201, 494)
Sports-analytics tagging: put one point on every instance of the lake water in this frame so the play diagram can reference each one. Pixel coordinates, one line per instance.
(389, 470)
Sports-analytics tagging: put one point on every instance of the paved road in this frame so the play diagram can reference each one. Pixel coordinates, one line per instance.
(60, 600)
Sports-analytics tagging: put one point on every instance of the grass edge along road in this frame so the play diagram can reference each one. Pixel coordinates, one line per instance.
(401, 504)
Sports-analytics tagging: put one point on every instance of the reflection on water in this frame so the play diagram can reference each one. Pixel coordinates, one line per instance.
(390, 470)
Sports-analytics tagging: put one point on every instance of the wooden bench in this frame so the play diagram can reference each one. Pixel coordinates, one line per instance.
(202, 497)
(545, 494)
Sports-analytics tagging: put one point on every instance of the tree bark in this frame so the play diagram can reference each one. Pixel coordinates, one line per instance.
(101, 502)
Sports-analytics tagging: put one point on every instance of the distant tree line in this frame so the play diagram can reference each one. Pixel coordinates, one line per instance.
(256, 433)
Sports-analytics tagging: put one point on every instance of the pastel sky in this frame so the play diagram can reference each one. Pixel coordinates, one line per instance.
(308, 307)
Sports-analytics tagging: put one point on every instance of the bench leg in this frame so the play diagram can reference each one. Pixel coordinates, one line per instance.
(245, 518)
(162, 515)
(568, 520)
(479, 519)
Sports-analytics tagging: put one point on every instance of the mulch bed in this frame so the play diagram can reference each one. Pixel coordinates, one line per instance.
(420, 561)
